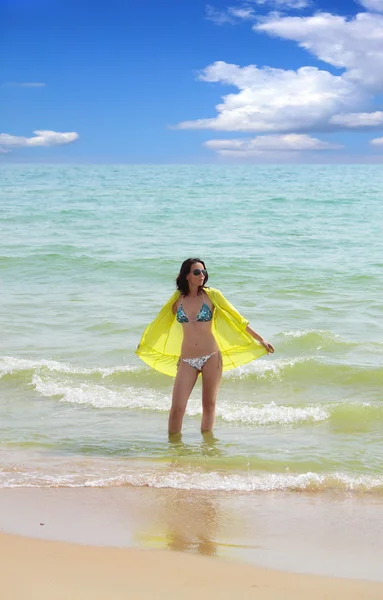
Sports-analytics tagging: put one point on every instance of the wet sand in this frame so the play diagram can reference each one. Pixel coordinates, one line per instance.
(146, 543)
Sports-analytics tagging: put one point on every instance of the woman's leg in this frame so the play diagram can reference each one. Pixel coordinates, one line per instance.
(183, 386)
(211, 377)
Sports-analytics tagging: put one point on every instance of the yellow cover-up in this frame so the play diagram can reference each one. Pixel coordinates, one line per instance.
(160, 345)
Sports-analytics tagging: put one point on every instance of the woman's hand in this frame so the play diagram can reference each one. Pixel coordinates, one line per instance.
(269, 347)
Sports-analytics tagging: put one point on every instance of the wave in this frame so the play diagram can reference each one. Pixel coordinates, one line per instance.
(137, 388)
(99, 396)
(311, 341)
(301, 370)
(310, 370)
(129, 397)
(11, 366)
(196, 479)
(229, 410)
(271, 414)
(315, 339)
(71, 259)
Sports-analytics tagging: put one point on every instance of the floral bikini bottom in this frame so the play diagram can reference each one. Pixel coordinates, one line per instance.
(197, 363)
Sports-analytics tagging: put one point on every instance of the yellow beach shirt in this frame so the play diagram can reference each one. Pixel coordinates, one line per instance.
(160, 345)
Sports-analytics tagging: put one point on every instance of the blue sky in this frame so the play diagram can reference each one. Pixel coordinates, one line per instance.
(188, 81)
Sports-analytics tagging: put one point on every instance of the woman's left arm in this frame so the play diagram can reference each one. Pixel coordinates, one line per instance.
(260, 339)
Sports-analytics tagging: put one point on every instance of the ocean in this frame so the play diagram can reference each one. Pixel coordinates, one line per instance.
(88, 256)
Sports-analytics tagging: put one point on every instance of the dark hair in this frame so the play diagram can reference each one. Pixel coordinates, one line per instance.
(182, 282)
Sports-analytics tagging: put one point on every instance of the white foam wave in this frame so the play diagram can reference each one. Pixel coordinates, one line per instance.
(100, 396)
(261, 368)
(197, 480)
(10, 364)
(297, 333)
(267, 482)
(264, 368)
(271, 413)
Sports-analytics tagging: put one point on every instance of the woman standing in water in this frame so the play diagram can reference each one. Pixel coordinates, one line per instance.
(198, 331)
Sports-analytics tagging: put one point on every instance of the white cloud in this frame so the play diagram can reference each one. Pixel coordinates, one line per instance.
(280, 101)
(242, 13)
(355, 45)
(233, 14)
(276, 100)
(31, 84)
(284, 4)
(219, 17)
(42, 138)
(377, 142)
(309, 99)
(269, 143)
(372, 5)
(359, 119)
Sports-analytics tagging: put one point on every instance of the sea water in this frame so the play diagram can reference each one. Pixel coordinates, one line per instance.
(88, 256)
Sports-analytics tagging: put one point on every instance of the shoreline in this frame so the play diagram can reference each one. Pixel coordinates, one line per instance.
(325, 536)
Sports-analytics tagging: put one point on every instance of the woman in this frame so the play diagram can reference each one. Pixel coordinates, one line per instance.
(198, 331)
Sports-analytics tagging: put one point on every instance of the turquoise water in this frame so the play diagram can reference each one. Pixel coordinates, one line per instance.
(88, 255)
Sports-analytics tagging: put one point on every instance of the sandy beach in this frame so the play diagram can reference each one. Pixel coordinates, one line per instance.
(40, 570)
(145, 543)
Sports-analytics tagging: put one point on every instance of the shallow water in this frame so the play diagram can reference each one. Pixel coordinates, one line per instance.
(89, 254)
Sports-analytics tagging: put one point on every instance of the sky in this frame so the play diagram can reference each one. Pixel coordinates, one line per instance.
(191, 82)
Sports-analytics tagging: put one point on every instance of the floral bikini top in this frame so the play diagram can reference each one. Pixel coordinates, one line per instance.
(204, 314)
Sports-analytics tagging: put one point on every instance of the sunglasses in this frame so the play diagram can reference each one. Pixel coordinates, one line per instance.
(199, 271)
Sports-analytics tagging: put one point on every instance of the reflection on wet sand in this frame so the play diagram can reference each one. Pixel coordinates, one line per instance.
(191, 522)
(188, 520)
